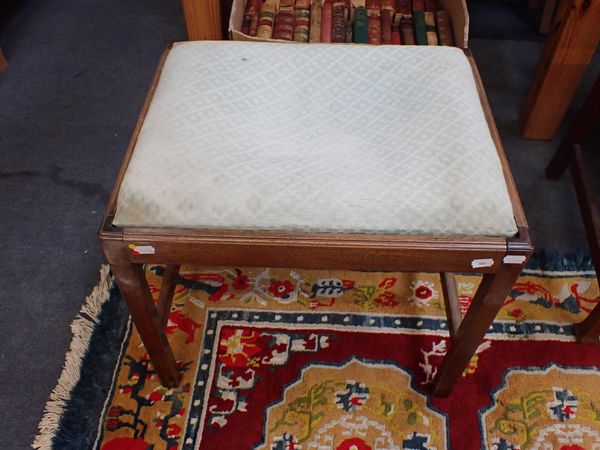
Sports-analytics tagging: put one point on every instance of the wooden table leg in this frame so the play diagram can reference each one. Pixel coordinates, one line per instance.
(203, 19)
(569, 154)
(587, 331)
(485, 306)
(134, 288)
(587, 118)
(3, 63)
(547, 15)
(571, 43)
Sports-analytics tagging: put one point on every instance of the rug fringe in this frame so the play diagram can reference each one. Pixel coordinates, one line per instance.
(82, 328)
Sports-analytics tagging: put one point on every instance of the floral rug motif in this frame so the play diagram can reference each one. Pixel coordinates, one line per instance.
(539, 408)
(356, 404)
(283, 359)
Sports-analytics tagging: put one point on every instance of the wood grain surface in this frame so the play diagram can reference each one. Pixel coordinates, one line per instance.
(570, 45)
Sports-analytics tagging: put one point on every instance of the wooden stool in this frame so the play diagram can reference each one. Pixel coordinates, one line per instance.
(319, 157)
(569, 154)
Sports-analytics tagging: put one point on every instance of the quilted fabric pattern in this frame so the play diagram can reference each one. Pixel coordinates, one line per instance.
(254, 136)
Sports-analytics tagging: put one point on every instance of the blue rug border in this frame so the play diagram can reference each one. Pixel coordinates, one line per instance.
(554, 261)
(78, 426)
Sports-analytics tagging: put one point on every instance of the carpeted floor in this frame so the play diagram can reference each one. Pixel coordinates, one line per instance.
(78, 73)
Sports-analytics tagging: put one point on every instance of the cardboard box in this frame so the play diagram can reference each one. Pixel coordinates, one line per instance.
(457, 10)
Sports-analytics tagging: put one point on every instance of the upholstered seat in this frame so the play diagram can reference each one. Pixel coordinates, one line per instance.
(356, 139)
(319, 157)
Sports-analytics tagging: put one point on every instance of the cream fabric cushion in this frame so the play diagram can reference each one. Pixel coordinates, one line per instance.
(333, 138)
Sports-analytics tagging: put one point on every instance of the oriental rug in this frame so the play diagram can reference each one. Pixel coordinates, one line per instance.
(281, 359)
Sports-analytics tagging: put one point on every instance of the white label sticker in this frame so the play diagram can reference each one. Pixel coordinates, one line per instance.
(477, 263)
(514, 259)
(142, 249)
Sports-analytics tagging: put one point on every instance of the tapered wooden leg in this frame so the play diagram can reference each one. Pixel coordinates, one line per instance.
(3, 63)
(134, 288)
(571, 43)
(547, 15)
(485, 305)
(586, 121)
(587, 331)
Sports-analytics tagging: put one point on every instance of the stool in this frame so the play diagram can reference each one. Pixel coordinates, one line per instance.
(319, 157)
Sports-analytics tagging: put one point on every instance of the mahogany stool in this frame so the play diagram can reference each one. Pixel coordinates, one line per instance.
(319, 157)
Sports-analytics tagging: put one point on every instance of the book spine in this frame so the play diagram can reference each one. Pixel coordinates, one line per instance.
(389, 5)
(350, 13)
(253, 13)
(374, 20)
(284, 25)
(432, 38)
(374, 4)
(302, 4)
(301, 25)
(361, 26)
(430, 6)
(315, 21)
(420, 30)
(348, 32)
(406, 30)
(444, 28)
(396, 30)
(430, 27)
(386, 26)
(286, 4)
(403, 7)
(338, 34)
(266, 20)
(248, 13)
(326, 22)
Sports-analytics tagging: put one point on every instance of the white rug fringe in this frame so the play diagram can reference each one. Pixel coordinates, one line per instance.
(82, 328)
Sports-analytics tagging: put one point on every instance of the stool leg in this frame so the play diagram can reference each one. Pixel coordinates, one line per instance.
(487, 301)
(134, 288)
(588, 331)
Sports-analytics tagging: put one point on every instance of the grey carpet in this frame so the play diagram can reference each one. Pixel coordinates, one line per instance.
(78, 74)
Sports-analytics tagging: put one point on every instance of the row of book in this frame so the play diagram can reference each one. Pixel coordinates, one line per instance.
(409, 22)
